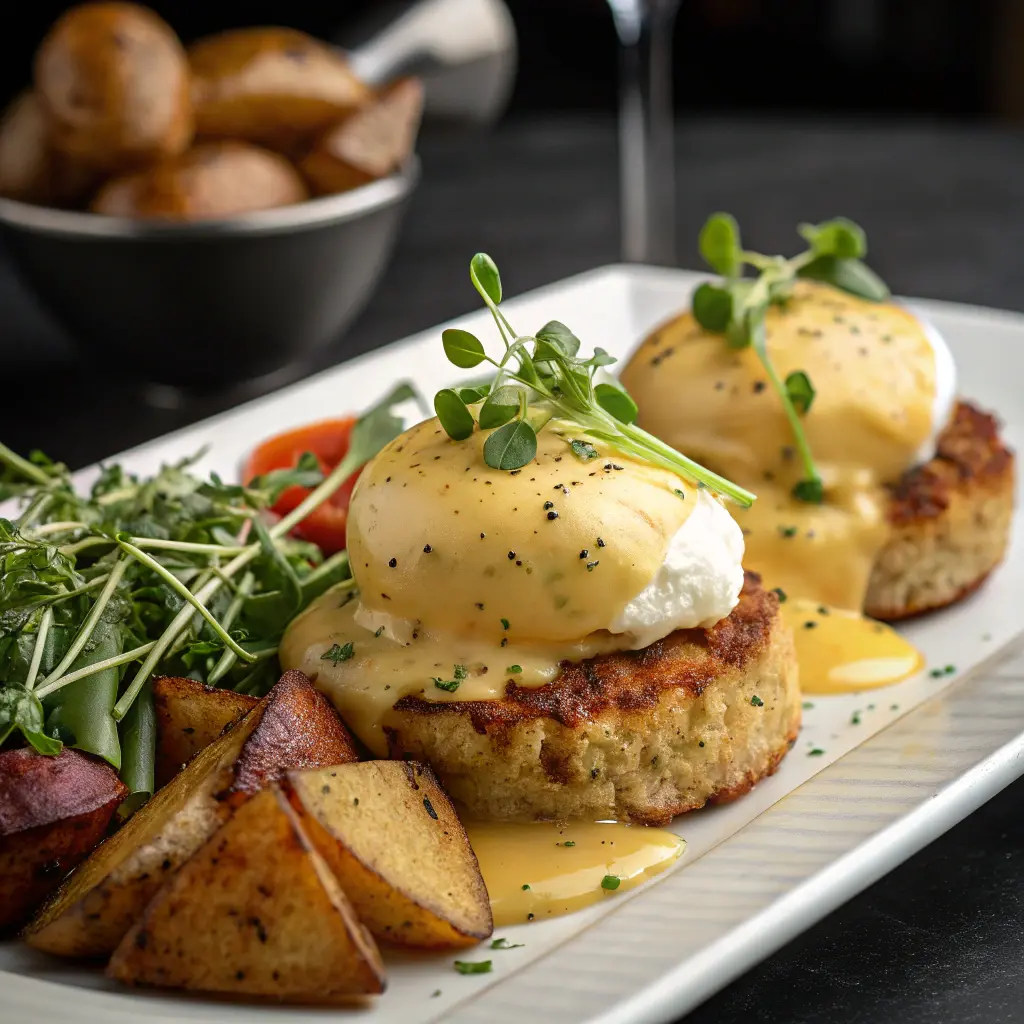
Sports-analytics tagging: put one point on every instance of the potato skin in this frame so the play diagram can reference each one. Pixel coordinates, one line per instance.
(275, 87)
(30, 169)
(369, 144)
(53, 811)
(114, 80)
(214, 180)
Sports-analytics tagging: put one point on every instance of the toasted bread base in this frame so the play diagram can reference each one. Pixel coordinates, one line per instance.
(698, 717)
(951, 521)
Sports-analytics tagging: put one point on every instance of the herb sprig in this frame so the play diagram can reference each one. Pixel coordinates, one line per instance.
(737, 305)
(541, 376)
(171, 574)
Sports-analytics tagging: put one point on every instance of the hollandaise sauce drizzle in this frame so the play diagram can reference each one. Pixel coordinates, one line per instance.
(535, 871)
(842, 651)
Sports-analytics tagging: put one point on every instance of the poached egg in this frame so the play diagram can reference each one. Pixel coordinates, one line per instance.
(885, 388)
(470, 577)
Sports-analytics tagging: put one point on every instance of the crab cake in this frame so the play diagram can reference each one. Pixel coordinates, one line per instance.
(918, 488)
(572, 639)
(949, 521)
(697, 717)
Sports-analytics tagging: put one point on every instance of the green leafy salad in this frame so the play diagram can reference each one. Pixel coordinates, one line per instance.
(170, 575)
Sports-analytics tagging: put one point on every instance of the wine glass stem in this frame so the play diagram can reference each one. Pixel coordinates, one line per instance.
(645, 130)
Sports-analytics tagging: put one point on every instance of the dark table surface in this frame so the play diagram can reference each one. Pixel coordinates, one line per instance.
(942, 937)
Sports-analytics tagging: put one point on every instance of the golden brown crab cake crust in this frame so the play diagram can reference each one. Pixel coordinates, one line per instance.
(950, 519)
(641, 736)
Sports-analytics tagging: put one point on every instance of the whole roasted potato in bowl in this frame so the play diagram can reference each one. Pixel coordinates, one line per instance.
(215, 180)
(272, 86)
(114, 82)
(30, 168)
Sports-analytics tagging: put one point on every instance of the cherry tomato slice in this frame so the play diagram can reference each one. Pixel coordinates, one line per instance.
(328, 440)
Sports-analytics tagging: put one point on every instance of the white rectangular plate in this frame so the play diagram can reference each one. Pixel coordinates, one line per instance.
(756, 872)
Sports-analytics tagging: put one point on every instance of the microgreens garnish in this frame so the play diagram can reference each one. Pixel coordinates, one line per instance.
(169, 574)
(541, 376)
(736, 306)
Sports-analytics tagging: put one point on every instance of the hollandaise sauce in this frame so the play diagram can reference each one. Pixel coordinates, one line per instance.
(472, 578)
(546, 869)
(842, 651)
(878, 401)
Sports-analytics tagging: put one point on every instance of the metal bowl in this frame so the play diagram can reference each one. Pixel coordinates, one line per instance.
(211, 303)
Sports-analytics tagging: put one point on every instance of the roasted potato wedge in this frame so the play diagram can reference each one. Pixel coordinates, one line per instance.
(272, 86)
(30, 169)
(254, 912)
(391, 837)
(114, 81)
(368, 145)
(53, 811)
(218, 179)
(190, 716)
(292, 727)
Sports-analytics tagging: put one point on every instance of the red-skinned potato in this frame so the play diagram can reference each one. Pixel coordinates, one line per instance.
(275, 87)
(369, 144)
(113, 78)
(213, 180)
(53, 811)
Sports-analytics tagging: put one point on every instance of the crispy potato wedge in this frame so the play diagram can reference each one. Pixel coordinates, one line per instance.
(53, 811)
(190, 716)
(391, 837)
(254, 912)
(275, 87)
(292, 727)
(370, 144)
(299, 729)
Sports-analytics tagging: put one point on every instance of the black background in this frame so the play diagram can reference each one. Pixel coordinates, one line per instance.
(790, 110)
(879, 57)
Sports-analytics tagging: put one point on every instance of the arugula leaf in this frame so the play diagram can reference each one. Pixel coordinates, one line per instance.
(21, 710)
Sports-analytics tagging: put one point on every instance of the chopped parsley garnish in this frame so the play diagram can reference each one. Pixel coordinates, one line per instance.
(855, 718)
(938, 672)
(815, 752)
(756, 701)
(514, 669)
(469, 967)
(451, 685)
(678, 493)
(505, 944)
(807, 705)
(611, 882)
(504, 623)
(780, 594)
(525, 887)
(788, 531)
(339, 652)
(568, 842)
